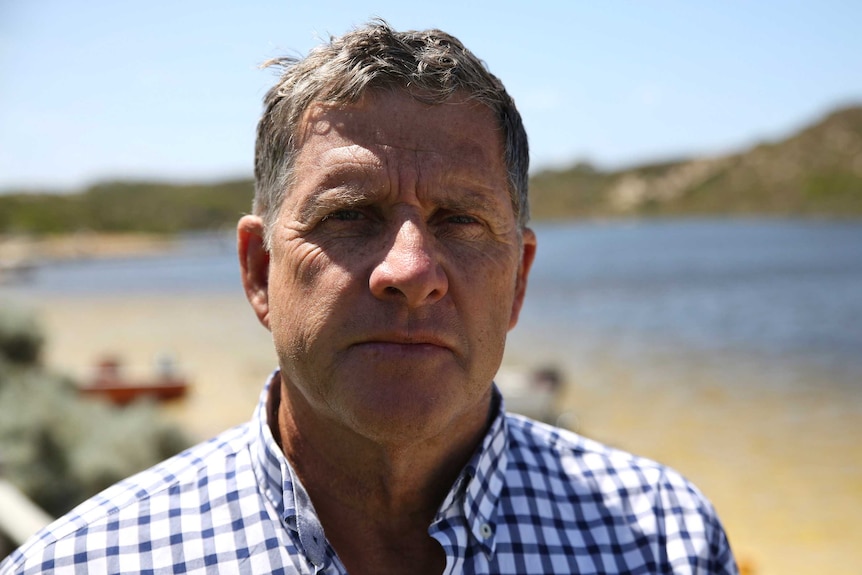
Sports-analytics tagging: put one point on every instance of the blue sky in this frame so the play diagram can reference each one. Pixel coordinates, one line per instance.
(96, 89)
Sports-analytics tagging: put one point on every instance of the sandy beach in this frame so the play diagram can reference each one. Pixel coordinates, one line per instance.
(786, 482)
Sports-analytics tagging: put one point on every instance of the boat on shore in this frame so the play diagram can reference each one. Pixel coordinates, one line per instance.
(110, 383)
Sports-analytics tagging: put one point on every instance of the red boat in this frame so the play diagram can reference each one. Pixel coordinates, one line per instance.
(109, 383)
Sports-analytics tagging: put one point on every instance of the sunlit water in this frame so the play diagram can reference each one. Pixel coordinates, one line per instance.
(776, 293)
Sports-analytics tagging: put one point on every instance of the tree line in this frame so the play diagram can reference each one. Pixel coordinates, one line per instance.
(127, 207)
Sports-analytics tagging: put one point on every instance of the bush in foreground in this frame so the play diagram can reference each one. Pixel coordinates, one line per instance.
(57, 447)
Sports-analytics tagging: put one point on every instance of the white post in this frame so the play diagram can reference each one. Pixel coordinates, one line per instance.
(19, 517)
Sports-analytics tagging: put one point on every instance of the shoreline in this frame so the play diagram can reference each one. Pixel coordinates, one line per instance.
(25, 250)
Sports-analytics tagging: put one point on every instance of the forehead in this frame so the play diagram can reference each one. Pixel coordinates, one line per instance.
(391, 125)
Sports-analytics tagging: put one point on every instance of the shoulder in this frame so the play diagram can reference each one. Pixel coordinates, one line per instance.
(584, 484)
(140, 499)
(559, 453)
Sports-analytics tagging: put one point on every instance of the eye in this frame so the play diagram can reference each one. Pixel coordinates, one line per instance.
(461, 219)
(457, 224)
(344, 216)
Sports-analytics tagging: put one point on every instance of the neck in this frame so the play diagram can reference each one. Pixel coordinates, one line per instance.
(392, 488)
(389, 476)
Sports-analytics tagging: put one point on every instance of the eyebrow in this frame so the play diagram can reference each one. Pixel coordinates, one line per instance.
(331, 198)
(470, 199)
(346, 188)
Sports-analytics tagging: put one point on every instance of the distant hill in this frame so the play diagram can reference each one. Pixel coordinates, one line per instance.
(816, 172)
(150, 207)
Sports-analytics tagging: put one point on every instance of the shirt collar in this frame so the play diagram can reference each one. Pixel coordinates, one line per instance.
(473, 496)
(280, 484)
(476, 492)
(267, 458)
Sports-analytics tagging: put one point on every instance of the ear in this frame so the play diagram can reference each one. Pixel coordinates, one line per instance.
(528, 254)
(254, 265)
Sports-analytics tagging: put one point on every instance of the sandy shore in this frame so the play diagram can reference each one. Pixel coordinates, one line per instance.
(784, 471)
(215, 340)
(82, 245)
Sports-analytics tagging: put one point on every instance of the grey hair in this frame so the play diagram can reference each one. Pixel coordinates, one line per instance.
(432, 65)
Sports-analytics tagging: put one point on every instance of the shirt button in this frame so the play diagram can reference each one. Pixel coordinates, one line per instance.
(486, 530)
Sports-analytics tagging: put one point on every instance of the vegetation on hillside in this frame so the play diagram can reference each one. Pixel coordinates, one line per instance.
(817, 171)
(127, 207)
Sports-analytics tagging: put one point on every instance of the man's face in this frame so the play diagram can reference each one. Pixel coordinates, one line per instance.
(396, 266)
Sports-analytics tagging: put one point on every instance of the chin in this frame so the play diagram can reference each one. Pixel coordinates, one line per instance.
(410, 415)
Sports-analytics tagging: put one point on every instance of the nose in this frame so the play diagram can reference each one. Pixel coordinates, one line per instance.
(410, 268)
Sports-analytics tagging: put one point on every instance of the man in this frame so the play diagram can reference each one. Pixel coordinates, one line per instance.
(388, 254)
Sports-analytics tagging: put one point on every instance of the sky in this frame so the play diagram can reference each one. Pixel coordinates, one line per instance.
(94, 90)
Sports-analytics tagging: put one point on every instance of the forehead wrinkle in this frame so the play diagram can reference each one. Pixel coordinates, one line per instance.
(368, 177)
(465, 177)
(351, 124)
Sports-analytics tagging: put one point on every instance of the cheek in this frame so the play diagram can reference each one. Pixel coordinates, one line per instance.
(305, 290)
(486, 291)
(490, 277)
(293, 276)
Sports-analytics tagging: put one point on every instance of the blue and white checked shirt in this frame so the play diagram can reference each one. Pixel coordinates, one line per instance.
(533, 499)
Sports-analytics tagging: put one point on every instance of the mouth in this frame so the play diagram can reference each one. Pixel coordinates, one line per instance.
(405, 344)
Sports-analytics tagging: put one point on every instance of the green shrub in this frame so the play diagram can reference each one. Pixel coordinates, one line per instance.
(21, 338)
(58, 447)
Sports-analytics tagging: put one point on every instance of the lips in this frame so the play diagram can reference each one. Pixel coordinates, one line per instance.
(405, 343)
